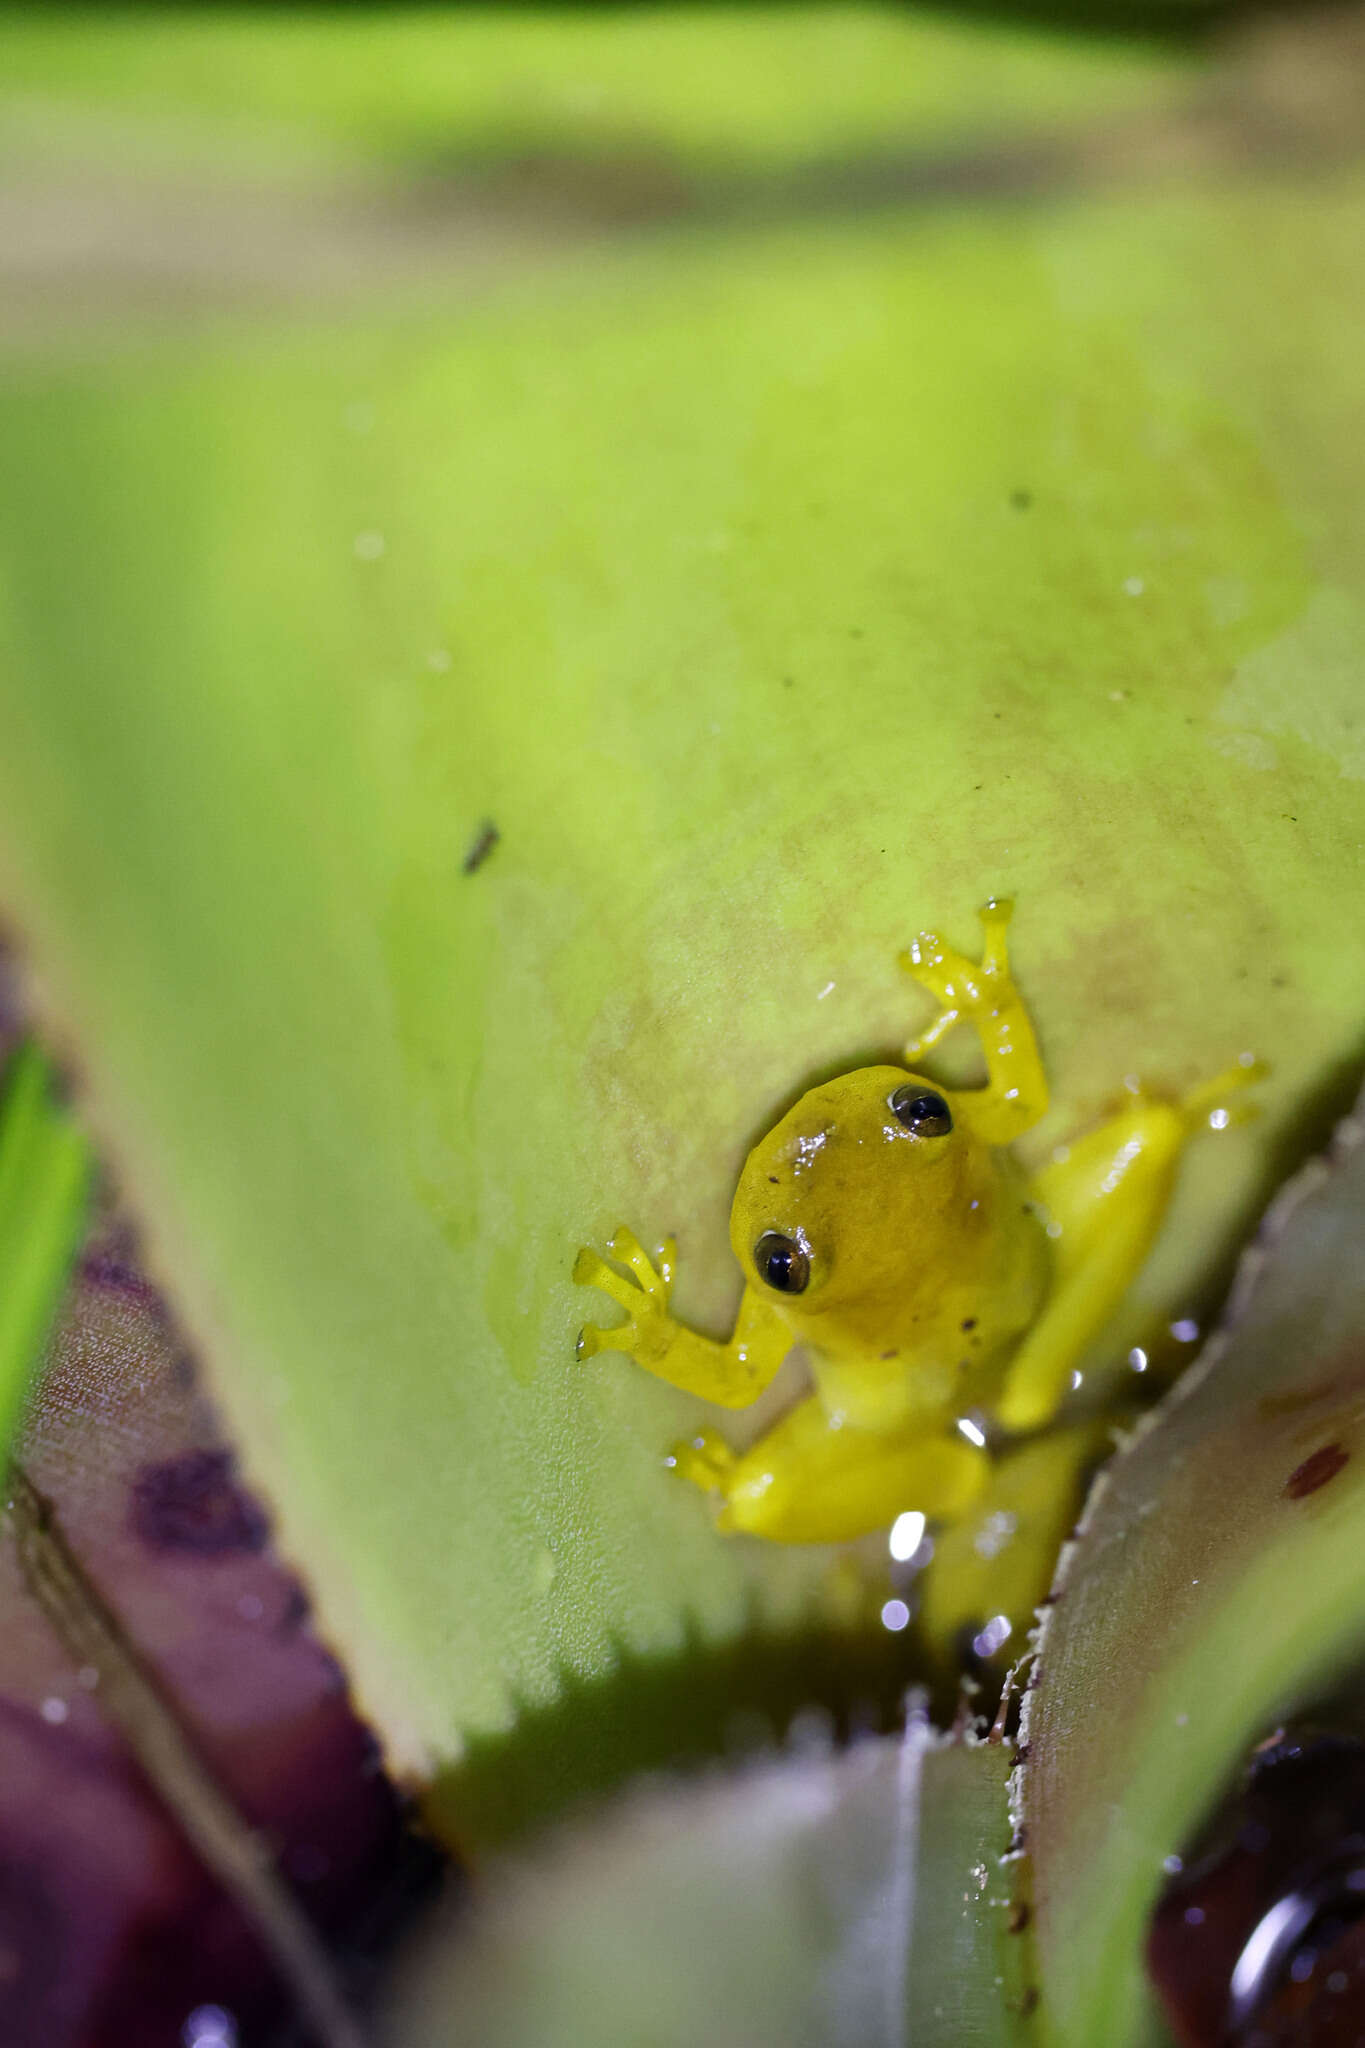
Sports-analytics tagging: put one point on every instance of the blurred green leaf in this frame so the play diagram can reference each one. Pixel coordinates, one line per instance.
(709, 88)
(44, 1185)
(849, 1901)
(1216, 1585)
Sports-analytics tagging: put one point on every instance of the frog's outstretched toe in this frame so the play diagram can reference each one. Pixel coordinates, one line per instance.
(705, 1459)
(1209, 1103)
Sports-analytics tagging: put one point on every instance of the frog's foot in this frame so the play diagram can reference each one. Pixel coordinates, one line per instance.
(706, 1459)
(1209, 1107)
(643, 1294)
(965, 990)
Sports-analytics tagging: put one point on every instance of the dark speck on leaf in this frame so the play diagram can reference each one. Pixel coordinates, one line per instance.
(1324, 1464)
(969, 1322)
(773, 1178)
(1019, 1916)
(1021, 500)
(194, 1503)
(485, 840)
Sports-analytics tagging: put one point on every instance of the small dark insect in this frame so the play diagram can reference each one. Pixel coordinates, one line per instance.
(485, 840)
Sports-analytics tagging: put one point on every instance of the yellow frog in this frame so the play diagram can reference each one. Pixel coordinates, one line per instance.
(945, 1300)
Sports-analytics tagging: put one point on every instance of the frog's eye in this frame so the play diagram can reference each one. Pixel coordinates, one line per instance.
(782, 1263)
(921, 1111)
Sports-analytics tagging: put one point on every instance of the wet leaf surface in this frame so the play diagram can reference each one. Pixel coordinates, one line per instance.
(1216, 1586)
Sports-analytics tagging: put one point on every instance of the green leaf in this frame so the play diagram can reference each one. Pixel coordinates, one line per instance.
(774, 588)
(847, 1901)
(709, 91)
(44, 1185)
(1212, 1589)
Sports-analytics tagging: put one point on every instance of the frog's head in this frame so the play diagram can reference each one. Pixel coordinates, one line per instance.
(866, 1185)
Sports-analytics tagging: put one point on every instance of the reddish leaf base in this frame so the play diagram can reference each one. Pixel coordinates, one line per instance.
(111, 1932)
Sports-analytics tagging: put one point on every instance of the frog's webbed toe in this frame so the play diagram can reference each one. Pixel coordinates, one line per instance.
(642, 1292)
(705, 1459)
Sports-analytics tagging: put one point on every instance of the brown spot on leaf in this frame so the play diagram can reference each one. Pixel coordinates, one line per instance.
(1019, 1916)
(1315, 1471)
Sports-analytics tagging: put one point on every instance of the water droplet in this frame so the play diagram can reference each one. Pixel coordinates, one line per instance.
(1137, 1358)
(907, 1533)
(209, 2026)
(895, 1616)
(995, 1532)
(993, 1636)
(368, 546)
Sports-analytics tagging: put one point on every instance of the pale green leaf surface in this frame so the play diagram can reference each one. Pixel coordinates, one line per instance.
(848, 1901)
(703, 570)
(1202, 1601)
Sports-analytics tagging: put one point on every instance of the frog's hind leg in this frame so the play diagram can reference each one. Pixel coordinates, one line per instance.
(808, 1481)
(994, 1566)
(1105, 1197)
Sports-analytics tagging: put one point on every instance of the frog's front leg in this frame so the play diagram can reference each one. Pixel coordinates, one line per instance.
(984, 995)
(811, 1481)
(732, 1374)
(1105, 1196)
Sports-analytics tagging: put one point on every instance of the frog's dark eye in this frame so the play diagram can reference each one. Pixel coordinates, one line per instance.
(782, 1263)
(921, 1111)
